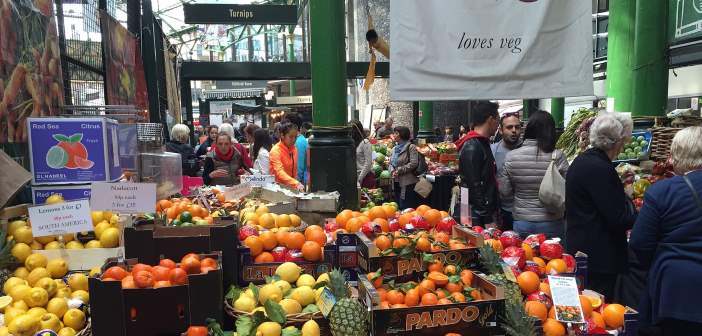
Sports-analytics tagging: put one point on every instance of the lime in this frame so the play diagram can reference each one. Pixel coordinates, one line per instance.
(56, 157)
(176, 222)
(201, 222)
(186, 216)
(187, 224)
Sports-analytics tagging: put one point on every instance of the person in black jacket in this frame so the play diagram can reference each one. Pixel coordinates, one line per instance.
(477, 165)
(180, 134)
(212, 132)
(598, 210)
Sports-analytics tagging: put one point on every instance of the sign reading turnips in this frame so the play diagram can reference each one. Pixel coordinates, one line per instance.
(490, 49)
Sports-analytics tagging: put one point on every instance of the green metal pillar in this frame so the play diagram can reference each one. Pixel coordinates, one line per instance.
(332, 153)
(557, 110)
(291, 58)
(426, 121)
(529, 106)
(650, 84)
(620, 52)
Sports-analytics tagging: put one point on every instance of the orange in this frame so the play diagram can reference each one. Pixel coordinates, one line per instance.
(115, 272)
(382, 293)
(399, 305)
(190, 265)
(436, 266)
(128, 282)
(281, 237)
(178, 276)
(528, 282)
(528, 251)
(556, 266)
(264, 257)
(377, 212)
(384, 225)
(454, 287)
(444, 301)
(283, 221)
(614, 315)
(432, 217)
(553, 328)
(441, 293)
(404, 219)
(429, 299)
(295, 240)
(587, 306)
(426, 286)
(444, 214)
(266, 220)
(377, 281)
(467, 277)
(172, 213)
(412, 297)
(495, 244)
(342, 218)
(295, 220)
(162, 205)
(312, 251)
(254, 244)
(382, 243)
(458, 296)
(422, 209)
(395, 297)
(442, 237)
(423, 244)
(552, 312)
(595, 301)
(269, 240)
(438, 278)
(400, 242)
(161, 273)
(316, 235)
(389, 211)
(356, 214)
(198, 211)
(363, 219)
(539, 262)
(599, 320)
(536, 309)
(353, 225)
(450, 269)
(143, 279)
(208, 262)
(220, 198)
(546, 288)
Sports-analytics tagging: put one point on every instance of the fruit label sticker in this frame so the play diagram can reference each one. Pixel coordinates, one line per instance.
(62, 218)
(326, 301)
(126, 198)
(566, 299)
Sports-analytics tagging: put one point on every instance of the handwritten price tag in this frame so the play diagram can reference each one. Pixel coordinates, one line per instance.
(63, 218)
(258, 180)
(128, 198)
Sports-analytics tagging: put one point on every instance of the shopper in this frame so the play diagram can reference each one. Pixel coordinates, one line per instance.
(668, 239)
(386, 130)
(364, 155)
(377, 127)
(180, 135)
(476, 166)
(598, 211)
(223, 164)
(283, 157)
(306, 128)
(262, 145)
(228, 129)
(511, 133)
(523, 171)
(403, 163)
(462, 131)
(448, 134)
(212, 132)
(249, 132)
(301, 145)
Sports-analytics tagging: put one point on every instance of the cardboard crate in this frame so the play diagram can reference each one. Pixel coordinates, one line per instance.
(150, 243)
(348, 257)
(351, 275)
(155, 311)
(251, 272)
(84, 259)
(631, 324)
(370, 259)
(479, 318)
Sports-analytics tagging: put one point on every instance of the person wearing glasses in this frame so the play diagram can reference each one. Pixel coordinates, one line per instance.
(511, 132)
(283, 157)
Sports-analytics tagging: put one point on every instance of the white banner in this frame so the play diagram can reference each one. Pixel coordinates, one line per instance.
(490, 49)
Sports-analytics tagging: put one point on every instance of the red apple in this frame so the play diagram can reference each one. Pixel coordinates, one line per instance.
(247, 231)
(446, 225)
(570, 262)
(551, 249)
(294, 256)
(279, 253)
(514, 256)
(510, 238)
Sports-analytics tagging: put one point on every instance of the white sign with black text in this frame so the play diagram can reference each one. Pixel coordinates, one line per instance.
(62, 218)
(127, 198)
(258, 180)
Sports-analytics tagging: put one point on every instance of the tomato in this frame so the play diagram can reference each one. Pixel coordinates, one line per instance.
(167, 263)
(190, 265)
(140, 267)
(197, 331)
(178, 277)
(115, 272)
(128, 282)
(144, 279)
(160, 273)
(191, 255)
(209, 262)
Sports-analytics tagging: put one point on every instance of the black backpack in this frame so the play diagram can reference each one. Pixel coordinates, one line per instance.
(422, 167)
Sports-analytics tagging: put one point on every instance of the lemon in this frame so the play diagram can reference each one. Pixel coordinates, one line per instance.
(37, 312)
(304, 295)
(110, 238)
(95, 271)
(24, 325)
(101, 227)
(269, 292)
(48, 284)
(46, 239)
(97, 216)
(66, 331)
(57, 268)
(78, 281)
(283, 285)
(13, 226)
(4, 331)
(310, 328)
(5, 301)
(290, 306)
(19, 292)
(114, 219)
(21, 305)
(54, 245)
(245, 303)
(261, 309)
(21, 272)
(35, 245)
(11, 313)
(268, 329)
(12, 282)
(21, 252)
(38, 297)
(324, 277)
(23, 235)
(81, 295)
(54, 199)
(288, 271)
(37, 274)
(93, 244)
(63, 293)
(68, 237)
(57, 306)
(60, 283)
(35, 260)
(74, 318)
(305, 280)
(249, 293)
(318, 293)
(50, 321)
(74, 245)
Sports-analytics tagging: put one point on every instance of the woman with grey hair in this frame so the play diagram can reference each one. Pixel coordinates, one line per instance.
(667, 238)
(598, 210)
(180, 135)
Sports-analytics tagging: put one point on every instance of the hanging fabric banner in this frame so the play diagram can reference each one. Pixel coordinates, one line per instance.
(490, 49)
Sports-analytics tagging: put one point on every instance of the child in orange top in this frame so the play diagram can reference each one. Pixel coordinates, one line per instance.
(283, 157)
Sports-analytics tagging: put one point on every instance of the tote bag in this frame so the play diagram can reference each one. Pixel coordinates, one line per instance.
(552, 188)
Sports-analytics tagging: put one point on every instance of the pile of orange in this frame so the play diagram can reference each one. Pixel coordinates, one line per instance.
(165, 274)
(443, 284)
(310, 243)
(175, 206)
(422, 241)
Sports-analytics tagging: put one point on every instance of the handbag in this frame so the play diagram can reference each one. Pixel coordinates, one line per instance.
(552, 188)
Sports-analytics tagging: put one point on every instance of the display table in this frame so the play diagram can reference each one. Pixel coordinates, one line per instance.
(440, 197)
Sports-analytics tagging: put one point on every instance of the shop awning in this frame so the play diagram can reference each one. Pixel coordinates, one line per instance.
(245, 109)
(232, 93)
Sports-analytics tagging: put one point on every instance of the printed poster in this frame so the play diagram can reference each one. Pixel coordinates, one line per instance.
(566, 299)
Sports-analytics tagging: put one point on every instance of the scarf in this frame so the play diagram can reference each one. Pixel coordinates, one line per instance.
(226, 157)
(396, 153)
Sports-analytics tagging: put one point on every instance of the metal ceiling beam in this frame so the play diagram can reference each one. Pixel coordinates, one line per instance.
(194, 70)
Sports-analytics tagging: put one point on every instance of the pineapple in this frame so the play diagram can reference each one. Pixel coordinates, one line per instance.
(6, 258)
(516, 322)
(491, 262)
(348, 317)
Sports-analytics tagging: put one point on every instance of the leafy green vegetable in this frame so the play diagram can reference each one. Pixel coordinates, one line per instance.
(291, 331)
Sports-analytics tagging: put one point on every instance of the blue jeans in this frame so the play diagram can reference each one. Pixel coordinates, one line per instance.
(551, 229)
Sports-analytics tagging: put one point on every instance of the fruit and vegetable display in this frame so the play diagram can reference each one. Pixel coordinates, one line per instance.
(166, 274)
(637, 148)
(640, 181)
(441, 158)
(200, 209)
(372, 197)
(382, 151)
(576, 136)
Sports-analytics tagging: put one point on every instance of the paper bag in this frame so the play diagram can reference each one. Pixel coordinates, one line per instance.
(423, 187)
(12, 179)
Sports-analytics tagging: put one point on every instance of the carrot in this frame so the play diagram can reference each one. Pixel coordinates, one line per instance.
(13, 87)
(53, 67)
(56, 92)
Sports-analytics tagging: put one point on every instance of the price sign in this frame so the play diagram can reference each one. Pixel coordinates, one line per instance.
(258, 180)
(125, 198)
(63, 218)
(566, 299)
(236, 192)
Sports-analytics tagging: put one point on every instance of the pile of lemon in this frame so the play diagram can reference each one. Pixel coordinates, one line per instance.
(37, 298)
